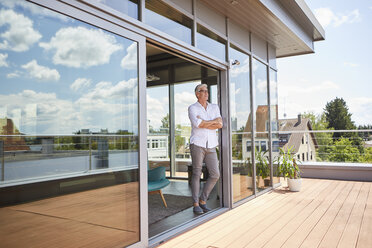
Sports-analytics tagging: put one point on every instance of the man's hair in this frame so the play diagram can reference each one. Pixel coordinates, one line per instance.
(199, 86)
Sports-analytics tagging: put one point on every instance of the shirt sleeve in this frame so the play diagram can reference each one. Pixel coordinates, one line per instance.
(195, 122)
(217, 111)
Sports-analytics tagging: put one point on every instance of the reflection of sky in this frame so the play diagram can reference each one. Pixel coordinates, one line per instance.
(63, 75)
(184, 96)
(168, 26)
(211, 46)
(260, 82)
(157, 105)
(239, 88)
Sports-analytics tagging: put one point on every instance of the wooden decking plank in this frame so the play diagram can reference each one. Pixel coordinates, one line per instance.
(230, 217)
(316, 234)
(257, 225)
(297, 215)
(350, 235)
(281, 230)
(365, 236)
(333, 234)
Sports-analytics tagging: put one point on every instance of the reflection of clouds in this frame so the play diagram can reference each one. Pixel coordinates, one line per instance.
(273, 92)
(262, 86)
(129, 62)
(14, 74)
(20, 34)
(236, 70)
(81, 47)
(156, 111)
(3, 57)
(106, 90)
(45, 113)
(183, 101)
(41, 73)
(33, 8)
(80, 83)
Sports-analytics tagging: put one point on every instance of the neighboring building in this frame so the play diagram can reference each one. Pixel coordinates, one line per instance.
(303, 144)
(109, 69)
(12, 143)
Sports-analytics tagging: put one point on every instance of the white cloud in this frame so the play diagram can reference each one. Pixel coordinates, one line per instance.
(106, 90)
(41, 73)
(129, 62)
(287, 90)
(327, 17)
(81, 47)
(262, 86)
(14, 74)
(183, 101)
(33, 8)
(20, 35)
(350, 64)
(236, 70)
(361, 109)
(156, 110)
(3, 57)
(80, 83)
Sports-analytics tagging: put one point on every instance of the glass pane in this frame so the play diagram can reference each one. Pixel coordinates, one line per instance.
(183, 97)
(274, 123)
(128, 7)
(158, 138)
(211, 43)
(241, 118)
(69, 126)
(168, 20)
(262, 118)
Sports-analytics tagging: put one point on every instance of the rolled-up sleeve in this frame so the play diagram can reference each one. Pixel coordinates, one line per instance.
(195, 122)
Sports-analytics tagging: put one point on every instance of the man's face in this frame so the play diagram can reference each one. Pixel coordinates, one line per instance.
(202, 94)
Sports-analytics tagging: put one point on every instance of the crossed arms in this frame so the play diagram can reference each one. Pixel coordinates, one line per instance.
(212, 124)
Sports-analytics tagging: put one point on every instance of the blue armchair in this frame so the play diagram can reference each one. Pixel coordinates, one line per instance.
(157, 181)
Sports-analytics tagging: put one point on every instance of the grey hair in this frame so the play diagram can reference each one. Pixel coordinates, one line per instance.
(199, 86)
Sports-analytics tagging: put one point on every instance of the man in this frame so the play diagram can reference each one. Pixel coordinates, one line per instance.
(205, 119)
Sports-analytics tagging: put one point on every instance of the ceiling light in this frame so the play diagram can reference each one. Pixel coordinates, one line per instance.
(234, 2)
(235, 62)
(152, 77)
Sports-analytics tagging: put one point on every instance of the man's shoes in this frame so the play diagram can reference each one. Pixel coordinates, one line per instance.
(198, 210)
(204, 207)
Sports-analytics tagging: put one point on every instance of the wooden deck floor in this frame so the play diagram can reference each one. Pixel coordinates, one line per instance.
(325, 213)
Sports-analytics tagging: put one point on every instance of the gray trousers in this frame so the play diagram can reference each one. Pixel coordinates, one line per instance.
(198, 156)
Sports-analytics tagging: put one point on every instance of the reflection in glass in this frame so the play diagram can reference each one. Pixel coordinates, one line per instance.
(208, 41)
(158, 138)
(163, 17)
(241, 119)
(262, 119)
(274, 123)
(128, 7)
(73, 120)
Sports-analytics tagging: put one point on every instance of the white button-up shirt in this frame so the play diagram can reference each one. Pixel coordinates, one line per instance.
(203, 137)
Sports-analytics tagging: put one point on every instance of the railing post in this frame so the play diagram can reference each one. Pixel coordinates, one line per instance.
(308, 147)
(2, 160)
(90, 153)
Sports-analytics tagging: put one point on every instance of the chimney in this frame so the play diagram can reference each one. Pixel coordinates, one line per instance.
(299, 119)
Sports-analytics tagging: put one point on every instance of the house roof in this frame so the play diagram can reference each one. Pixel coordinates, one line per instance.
(295, 139)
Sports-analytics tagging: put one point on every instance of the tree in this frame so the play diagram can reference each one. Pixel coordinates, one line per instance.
(344, 151)
(338, 117)
(324, 140)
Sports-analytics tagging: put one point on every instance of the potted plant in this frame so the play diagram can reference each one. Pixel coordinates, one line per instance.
(246, 174)
(262, 167)
(288, 168)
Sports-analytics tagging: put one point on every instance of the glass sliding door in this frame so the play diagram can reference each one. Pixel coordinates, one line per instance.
(261, 108)
(274, 118)
(69, 130)
(241, 125)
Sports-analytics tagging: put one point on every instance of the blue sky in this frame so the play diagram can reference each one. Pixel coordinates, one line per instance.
(340, 67)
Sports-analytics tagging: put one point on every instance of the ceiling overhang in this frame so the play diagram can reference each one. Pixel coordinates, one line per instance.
(288, 25)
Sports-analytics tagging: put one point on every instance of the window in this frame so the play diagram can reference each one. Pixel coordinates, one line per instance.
(128, 7)
(302, 140)
(168, 20)
(249, 146)
(210, 42)
(263, 146)
(275, 146)
(303, 156)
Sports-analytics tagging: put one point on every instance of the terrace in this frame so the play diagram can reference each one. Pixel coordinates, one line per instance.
(326, 213)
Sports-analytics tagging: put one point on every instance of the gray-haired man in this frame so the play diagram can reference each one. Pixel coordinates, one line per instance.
(205, 119)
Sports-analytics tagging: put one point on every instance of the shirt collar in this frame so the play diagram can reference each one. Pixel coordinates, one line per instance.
(202, 105)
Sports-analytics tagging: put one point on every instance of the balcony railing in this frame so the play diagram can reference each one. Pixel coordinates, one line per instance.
(25, 158)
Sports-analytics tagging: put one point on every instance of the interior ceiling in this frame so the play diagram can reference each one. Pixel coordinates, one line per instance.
(252, 15)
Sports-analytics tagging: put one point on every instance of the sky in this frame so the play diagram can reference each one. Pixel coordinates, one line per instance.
(340, 66)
